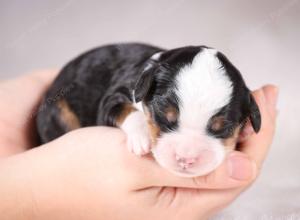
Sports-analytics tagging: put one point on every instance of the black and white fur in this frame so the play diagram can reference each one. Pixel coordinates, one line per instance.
(164, 100)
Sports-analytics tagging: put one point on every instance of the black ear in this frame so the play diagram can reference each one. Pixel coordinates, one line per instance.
(145, 81)
(255, 117)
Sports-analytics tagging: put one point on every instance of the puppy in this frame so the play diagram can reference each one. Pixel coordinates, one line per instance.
(186, 105)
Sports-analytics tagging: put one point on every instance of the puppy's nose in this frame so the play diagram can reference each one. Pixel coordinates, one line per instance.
(190, 161)
(185, 162)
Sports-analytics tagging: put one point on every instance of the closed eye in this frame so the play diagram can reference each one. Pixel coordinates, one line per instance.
(166, 116)
(220, 127)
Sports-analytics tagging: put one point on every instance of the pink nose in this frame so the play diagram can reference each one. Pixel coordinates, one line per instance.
(184, 162)
(191, 161)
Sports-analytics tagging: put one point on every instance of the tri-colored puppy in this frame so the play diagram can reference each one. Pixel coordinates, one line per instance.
(186, 105)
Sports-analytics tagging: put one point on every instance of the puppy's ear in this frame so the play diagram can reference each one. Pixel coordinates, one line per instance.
(254, 116)
(145, 81)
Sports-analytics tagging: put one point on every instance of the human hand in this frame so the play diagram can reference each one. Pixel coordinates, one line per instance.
(18, 103)
(94, 177)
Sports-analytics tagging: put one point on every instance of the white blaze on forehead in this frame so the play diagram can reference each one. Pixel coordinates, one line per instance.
(203, 88)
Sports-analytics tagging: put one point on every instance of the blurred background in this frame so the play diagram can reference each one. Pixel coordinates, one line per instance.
(261, 37)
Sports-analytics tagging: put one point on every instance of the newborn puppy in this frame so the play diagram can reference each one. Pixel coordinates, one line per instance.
(186, 105)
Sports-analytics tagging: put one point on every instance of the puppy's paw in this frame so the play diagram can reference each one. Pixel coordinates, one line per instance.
(139, 143)
(138, 137)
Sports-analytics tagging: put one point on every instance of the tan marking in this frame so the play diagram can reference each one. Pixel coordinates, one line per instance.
(67, 116)
(171, 114)
(230, 143)
(217, 123)
(127, 108)
(153, 128)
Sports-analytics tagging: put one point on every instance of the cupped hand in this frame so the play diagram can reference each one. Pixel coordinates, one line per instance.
(89, 174)
(19, 99)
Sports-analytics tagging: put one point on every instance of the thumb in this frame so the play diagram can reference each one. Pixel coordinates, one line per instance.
(237, 170)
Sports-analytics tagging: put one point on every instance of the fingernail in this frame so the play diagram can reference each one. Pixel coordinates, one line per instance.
(240, 167)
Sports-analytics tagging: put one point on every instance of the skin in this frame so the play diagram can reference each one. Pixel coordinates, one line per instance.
(75, 178)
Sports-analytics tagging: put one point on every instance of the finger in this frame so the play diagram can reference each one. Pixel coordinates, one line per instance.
(39, 79)
(212, 201)
(26, 91)
(41, 76)
(20, 98)
(237, 170)
(34, 84)
(271, 93)
(258, 144)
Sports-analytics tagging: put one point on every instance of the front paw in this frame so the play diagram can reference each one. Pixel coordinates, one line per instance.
(138, 143)
(138, 137)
